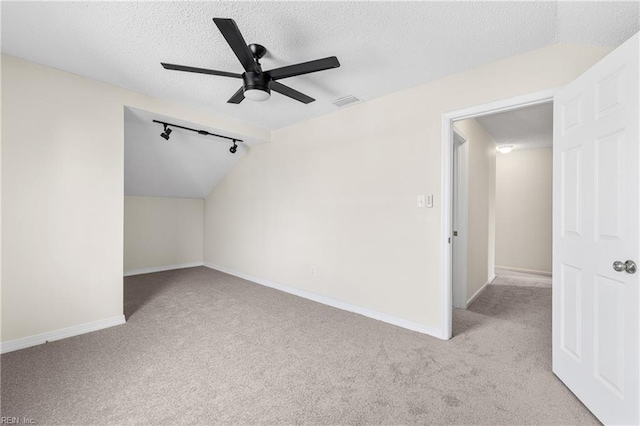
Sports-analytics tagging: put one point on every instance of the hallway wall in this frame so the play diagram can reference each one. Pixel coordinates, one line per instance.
(480, 206)
(524, 210)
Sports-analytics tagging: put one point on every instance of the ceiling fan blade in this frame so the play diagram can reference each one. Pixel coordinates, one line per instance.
(237, 97)
(199, 70)
(304, 68)
(288, 91)
(232, 34)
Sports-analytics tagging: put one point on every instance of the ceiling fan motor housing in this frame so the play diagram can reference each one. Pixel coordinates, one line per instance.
(256, 81)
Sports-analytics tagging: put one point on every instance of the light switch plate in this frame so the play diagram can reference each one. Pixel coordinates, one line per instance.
(421, 201)
(430, 201)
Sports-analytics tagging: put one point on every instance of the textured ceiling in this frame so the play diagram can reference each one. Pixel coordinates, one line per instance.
(188, 165)
(383, 47)
(524, 128)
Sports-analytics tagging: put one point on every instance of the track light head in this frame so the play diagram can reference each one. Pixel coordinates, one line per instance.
(166, 133)
(234, 148)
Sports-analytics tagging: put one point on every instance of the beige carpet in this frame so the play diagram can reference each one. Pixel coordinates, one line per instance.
(204, 347)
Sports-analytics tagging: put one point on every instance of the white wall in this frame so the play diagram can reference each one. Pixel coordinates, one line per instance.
(160, 233)
(62, 195)
(481, 174)
(524, 210)
(339, 192)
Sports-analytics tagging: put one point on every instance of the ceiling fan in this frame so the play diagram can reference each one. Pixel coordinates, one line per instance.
(257, 84)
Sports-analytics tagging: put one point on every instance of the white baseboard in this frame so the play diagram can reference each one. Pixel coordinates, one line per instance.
(390, 319)
(161, 268)
(526, 271)
(480, 290)
(38, 339)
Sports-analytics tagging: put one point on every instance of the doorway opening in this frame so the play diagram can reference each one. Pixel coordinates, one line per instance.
(595, 232)
(465, 278)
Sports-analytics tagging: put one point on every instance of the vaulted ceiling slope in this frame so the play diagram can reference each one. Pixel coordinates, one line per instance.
(383, 47)
(188, 165)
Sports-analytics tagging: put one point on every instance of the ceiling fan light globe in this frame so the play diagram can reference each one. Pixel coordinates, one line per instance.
(256, 95)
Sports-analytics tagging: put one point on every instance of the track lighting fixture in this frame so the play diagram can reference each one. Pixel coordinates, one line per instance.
(167, 132)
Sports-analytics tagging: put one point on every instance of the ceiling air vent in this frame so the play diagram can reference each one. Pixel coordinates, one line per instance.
(346, 100)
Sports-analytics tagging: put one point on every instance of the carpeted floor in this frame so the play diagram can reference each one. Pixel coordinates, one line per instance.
(204, 347)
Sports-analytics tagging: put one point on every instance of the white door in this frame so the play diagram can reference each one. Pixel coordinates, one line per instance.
(596, 191)
(460, 200)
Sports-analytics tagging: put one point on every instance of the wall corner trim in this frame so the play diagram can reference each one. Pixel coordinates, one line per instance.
(50, 336)
(161, 268)
(389, 319)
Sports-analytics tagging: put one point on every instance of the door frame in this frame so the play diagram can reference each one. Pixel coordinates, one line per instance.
(504, 105)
